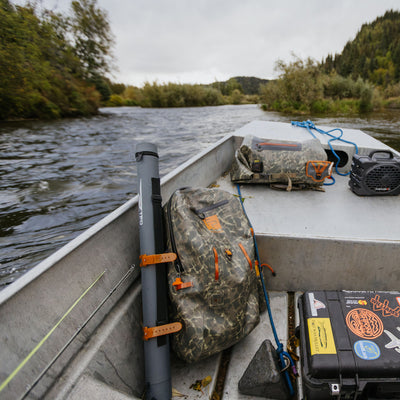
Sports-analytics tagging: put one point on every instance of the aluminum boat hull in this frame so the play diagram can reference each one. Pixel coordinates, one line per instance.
(71, 327)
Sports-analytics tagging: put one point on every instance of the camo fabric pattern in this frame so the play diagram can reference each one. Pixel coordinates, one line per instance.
(278, 161)
(208, 226)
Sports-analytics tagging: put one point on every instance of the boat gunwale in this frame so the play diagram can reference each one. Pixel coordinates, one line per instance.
(327, 238)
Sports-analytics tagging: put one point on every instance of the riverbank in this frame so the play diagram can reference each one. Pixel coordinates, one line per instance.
(299, 92)
(331, 107)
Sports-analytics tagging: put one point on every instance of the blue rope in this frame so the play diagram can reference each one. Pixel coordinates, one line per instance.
(310, 125)
(332, 183)
(281, 353)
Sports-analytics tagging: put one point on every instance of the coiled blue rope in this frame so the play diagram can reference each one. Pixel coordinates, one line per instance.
(281, 353)
(310, 125)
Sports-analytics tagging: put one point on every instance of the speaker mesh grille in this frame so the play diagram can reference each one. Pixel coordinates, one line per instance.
(383, 177)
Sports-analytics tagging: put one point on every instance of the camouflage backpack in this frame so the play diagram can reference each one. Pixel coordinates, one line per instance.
(302, 164)
(213, 282)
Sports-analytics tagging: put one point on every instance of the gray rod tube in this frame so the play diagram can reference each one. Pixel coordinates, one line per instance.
(156, 354)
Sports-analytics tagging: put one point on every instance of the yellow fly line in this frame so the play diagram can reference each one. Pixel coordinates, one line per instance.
(40, 344)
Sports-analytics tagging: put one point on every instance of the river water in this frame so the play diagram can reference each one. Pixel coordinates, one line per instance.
(60, 177)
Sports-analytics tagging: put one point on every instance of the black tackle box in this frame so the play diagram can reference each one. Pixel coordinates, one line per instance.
(350, 344)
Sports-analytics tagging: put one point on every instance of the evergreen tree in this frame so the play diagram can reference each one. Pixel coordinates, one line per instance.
(374, 54)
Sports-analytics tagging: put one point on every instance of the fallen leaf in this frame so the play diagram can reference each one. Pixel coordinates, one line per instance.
(206, 381)
(175, 393)
(196, 386)
(200, 384)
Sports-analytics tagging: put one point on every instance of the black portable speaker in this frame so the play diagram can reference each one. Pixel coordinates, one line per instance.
(377, 174)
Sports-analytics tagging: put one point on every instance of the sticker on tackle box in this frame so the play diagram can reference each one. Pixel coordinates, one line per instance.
(367, 350)
(315, 304)
(321, 336)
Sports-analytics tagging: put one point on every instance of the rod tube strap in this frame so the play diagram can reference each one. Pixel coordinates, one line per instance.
(156, 259)
(139, 155)
(155, 331)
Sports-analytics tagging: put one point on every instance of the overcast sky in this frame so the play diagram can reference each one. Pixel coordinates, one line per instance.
(200, 41)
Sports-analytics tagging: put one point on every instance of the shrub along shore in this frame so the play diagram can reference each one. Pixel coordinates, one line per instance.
(181, 95)
(303, 87)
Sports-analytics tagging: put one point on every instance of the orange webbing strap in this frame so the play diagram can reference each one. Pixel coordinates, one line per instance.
(246, 255)
(155, 331)
(216, 264)
(156, 258)
(179, 284)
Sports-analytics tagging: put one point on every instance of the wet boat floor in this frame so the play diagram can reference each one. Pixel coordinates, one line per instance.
(184, 376)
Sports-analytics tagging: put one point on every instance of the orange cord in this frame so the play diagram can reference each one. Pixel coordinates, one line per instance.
(270, 268)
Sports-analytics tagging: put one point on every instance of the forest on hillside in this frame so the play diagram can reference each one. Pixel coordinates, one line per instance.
(373, 55)
(363, 77)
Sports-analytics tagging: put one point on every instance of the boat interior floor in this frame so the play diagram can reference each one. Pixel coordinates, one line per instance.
(225, 368)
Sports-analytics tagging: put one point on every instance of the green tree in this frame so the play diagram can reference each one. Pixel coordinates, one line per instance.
(300, 82)
(93, 39)
(117, 88)
(102, 86)
(24, 72)
(41, 75)
(236, 96)
(226, 88)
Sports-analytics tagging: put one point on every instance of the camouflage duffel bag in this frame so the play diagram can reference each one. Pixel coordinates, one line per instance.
(299, 164)
(213, 282)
